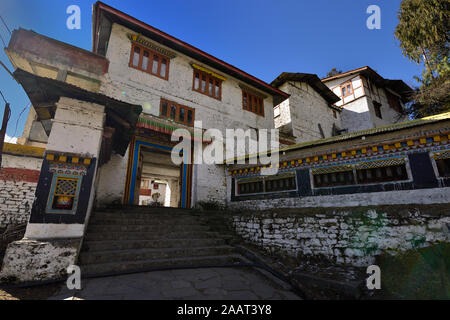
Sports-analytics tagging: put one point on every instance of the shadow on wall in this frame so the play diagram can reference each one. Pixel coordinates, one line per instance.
(355, 121)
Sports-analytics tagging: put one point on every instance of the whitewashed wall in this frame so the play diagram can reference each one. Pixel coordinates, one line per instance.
(138, 87)
(420, 196)
(305, 110)
(358, 110)
(344, 236)
(18, 183)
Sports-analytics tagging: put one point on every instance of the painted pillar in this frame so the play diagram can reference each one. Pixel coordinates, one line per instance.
(64, 195)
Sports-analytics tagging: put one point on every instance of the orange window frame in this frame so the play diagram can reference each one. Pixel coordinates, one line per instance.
(252, 103)
(151, 55)
(208, 78)
(346, 85)
(176, 118)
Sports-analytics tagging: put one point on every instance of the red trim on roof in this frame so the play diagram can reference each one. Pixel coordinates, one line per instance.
(101, 6)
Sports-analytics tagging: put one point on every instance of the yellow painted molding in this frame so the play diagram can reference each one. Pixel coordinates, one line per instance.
(75, 159)
(62, 158)
(410, 142)
(218, 76)
(21, 150)
(423, 140)
(87, 161)
(437, 138)
(398, 145)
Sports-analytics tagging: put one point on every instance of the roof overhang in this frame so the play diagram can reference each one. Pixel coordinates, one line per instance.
(356, 136)
(311, 79)
(104, 15)
(398, 86)
(44, 93)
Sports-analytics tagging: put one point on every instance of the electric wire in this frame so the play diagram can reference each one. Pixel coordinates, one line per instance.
(18, 118)
(1, 93)
(5, 25)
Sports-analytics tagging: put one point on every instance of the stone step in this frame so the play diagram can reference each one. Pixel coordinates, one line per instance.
(97, 257)
(148, 210)
(151, 235)
(150, 216)
(157, 243)
(150, 221)
(146, 228)
(103, 268)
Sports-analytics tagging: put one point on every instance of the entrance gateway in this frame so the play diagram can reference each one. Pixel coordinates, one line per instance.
(135, 171)
(149, 159)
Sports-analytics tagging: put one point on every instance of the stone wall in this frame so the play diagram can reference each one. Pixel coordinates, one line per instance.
(419, 196)
(31, 260)
(18, 181)
(16, 198)
(346, 236)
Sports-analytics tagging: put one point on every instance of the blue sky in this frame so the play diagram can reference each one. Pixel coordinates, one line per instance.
(262, 37)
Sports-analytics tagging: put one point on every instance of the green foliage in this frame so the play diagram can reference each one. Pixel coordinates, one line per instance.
(417, 274)
(417, 241)
(333, 72)
(423, 32)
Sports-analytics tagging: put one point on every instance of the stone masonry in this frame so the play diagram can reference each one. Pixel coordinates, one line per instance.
(16, 198)
(348, 236)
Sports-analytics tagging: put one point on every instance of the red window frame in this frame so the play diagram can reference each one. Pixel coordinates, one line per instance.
(252, 103)
(175, 115)
(151, 58)
(209, 79)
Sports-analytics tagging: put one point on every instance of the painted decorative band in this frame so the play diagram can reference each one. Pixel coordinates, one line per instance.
(441, 156)
(212, 73)
(332, 169)
(378, 164)
(137, 38)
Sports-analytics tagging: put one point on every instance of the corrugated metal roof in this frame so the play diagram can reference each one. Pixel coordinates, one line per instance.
(358, 134)
(372, 131)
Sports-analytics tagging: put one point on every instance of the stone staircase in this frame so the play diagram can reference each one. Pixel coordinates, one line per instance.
(139, 238)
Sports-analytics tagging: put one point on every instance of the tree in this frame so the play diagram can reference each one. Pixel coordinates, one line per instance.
(333, 72)
(423, 32)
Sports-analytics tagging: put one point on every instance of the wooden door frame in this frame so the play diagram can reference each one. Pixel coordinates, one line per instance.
(133, 160)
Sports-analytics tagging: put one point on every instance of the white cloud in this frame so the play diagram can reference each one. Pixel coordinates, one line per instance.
(10, 139)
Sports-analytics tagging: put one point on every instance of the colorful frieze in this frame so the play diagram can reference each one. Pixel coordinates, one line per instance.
(365, 157)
